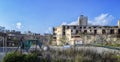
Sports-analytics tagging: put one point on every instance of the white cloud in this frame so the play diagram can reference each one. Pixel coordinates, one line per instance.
(49, 30)
(73, 23)
(103, 19)
(64, 23)
(19, 25)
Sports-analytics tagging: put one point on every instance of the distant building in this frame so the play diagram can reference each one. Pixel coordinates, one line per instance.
(2, 29)
(83, 33)
(82, 20)
(12, 38)
(48, 37)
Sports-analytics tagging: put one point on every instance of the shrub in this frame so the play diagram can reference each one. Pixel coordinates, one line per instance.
(69, 55)
(13, 57)
(31, 58)
(17, 57)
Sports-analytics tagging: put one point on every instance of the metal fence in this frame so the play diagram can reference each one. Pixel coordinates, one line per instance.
(7, 49)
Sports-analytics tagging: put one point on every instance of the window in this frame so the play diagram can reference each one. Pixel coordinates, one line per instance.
(84, 27)
(100, 27)
(63, 33)
(80, 27)
(94, 26)
(118, 31)
(68, 27)
(90, 30)
(85, 31)
(74, 27)
(103, 31)
(71, 30)
(112, 31)
(63, 27)
(76, 31)
(95, 31)
(54, 37)
(54, 33)
(89, 27)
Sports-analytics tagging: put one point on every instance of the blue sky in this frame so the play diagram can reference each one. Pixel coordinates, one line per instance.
(41, 15)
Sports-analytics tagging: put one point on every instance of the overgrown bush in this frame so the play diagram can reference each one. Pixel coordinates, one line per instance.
(17, 57)
(84, 56)
(69, 55)
(13, 57)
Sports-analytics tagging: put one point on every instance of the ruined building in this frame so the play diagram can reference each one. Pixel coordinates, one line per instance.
(84, 33)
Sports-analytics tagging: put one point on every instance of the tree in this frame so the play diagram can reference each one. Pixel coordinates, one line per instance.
(63, 40)
(50, 40)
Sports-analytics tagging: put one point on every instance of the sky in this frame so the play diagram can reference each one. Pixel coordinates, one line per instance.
(40, 16)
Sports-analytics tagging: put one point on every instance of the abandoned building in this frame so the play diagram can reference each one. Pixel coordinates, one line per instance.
(84, 33)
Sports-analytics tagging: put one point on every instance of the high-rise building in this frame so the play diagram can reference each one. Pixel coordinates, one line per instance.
(82, 20)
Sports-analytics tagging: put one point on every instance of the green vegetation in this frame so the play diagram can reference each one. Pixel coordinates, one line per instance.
(108, 44)
(50, 41)
(112, 45)
(63, 40)
(70, 55)
(85, 56)
(17, 57)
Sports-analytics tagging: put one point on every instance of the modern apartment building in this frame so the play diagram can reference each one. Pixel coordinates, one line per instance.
(84, 33)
